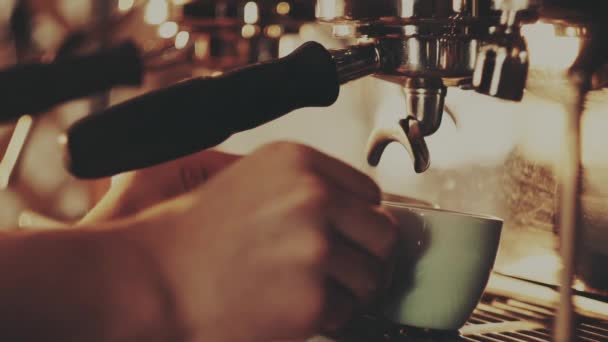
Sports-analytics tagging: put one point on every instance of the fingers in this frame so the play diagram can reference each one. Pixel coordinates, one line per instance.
(318, 192)
(180, 175)
(406, 200)
(312, 161)
(212, 161)
(354, 269)
(346, 177)
(361, 250)
(195, 169)
(369, 226)
(339, 307)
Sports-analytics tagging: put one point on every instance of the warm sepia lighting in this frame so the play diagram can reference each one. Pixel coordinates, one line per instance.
(216, 74)
(283, 8)
(62, 139)
(75, 12)
(31, 220)
(201, 48)
(15, 146)
(274, 31)
(541, 265)
(47, 31)
(125, 5)
(168, 29)
(530, 292)
(408, 8)
(181, 39)
(547, 49)
(248, 31)
(343, 30)
(328, 8)
(156, 12)
(457, 5)
(251, 14)
(6, 9)
(541, 136)
(571, 31)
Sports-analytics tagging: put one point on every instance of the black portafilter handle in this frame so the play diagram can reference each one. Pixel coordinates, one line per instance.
(200, 113)
(35, 88)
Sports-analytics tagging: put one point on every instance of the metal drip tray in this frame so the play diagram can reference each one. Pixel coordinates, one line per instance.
(497, 318)
(503, 319)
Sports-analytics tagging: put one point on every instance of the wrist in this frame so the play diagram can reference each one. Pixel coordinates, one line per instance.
(177, 241)
(142, 295)
(161, 235)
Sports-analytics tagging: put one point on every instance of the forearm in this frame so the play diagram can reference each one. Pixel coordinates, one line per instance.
(81, 285)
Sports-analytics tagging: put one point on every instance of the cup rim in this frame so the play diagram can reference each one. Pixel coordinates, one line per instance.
(433, 209)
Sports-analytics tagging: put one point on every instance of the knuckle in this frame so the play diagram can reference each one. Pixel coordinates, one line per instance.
(375, 190)
(294, 152)
(315, 190)
(276, 146)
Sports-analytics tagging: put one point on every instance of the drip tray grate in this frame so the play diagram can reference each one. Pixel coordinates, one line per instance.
(496, 319)
(508, 320)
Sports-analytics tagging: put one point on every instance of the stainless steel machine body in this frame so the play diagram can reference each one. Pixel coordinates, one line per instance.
(426, 45)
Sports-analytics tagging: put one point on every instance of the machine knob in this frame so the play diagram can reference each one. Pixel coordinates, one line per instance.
(502, 67)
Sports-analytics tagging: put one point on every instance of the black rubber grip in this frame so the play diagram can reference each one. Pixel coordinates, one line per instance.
(35, 88)
(199, 113)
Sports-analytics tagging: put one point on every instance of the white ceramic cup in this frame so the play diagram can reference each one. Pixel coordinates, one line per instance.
(442, 266)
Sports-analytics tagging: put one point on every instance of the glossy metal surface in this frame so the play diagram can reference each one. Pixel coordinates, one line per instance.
(357, 61)
(424, 106)
(229, 34)
(424, 101)
(406, 132)
(443, 56)
(452, 59)
(424, 38)
(451, 39)
(502, 65)
(502, 68)
(389, 10)
(419, 44)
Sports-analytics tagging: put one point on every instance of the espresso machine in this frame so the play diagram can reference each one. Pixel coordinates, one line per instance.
(428, 49)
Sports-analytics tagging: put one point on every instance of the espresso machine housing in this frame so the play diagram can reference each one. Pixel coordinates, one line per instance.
(427, 46)
(479, 45)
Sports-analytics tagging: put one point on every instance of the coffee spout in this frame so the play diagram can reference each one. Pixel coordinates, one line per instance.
(408, 133)
(424, 107)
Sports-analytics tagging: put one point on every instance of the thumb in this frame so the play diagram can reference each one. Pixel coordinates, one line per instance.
(198, 168)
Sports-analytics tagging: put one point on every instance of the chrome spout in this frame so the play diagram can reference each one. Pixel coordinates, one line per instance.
(406, 132)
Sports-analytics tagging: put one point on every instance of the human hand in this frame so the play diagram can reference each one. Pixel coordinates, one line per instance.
(282, 244)
(135, 191)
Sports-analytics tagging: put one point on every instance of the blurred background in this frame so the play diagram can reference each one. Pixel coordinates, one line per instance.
(203, 39)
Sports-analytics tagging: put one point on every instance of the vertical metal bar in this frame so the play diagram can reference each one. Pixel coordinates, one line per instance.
(8, 163)
(103, 13)
(569, 206)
